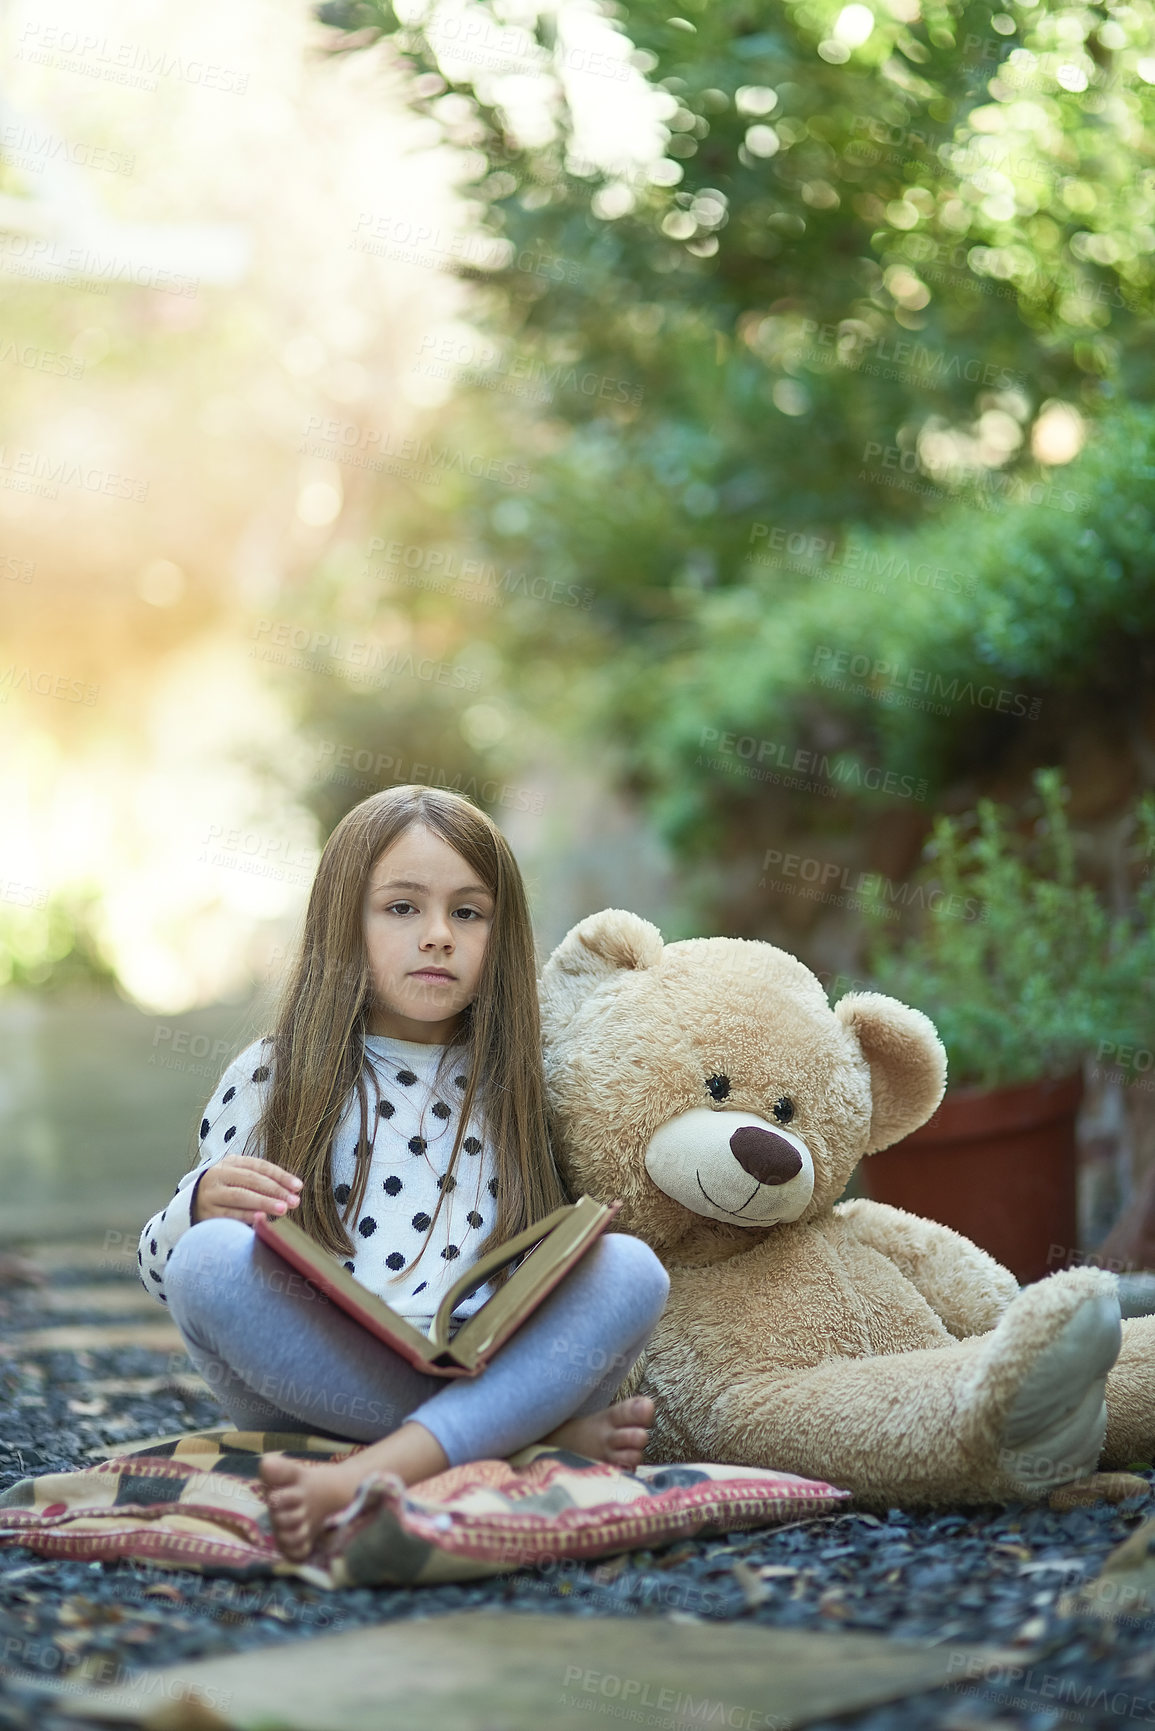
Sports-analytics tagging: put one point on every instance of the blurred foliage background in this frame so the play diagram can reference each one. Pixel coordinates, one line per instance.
(755, 459)
(848, 423)
(721, 443)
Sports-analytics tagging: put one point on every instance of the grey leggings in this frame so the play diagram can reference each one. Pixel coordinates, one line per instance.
(280, 1357)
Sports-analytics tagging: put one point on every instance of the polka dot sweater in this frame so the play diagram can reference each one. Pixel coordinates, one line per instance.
(413, 1118)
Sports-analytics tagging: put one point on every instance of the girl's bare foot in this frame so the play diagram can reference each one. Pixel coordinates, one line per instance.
(617, 1434)
(302, 1494)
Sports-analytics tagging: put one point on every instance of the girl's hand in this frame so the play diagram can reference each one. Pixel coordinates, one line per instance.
(240, 1187)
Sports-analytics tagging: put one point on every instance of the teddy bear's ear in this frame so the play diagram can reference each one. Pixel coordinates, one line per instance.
(605, 944)
(907, 1063)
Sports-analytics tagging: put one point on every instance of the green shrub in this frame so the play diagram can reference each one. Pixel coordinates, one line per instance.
(1046, 973)
(930, 654)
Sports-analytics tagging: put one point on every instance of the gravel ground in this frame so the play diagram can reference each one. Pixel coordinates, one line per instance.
(994, 1576)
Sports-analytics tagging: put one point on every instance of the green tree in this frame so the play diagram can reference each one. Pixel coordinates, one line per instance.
(881, 245)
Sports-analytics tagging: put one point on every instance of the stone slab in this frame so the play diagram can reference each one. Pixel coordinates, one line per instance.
(93, 1337)
(113, 1254)
(508, 1671)
(109, 1298)
(181, 1382)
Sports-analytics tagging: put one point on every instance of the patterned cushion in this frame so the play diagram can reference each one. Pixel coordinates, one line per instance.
(197, 1502)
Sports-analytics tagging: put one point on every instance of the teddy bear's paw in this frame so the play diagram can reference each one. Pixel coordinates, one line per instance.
(1055, 1423)
(1098, 1488)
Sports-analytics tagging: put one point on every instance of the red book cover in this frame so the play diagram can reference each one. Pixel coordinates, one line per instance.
(549, 1249)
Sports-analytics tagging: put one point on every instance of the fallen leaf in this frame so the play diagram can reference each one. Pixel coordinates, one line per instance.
(18, 1271)
(1126, 1585)
(191, 1714)
(674, 1559)
(754, 1589)
(77, 1610)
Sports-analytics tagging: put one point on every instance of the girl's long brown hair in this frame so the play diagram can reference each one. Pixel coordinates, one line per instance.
(328, 1001)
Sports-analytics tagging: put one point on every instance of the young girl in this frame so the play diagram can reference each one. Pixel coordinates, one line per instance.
(399, 1109)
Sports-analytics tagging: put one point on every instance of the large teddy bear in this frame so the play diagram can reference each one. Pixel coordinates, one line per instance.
(710, 1086)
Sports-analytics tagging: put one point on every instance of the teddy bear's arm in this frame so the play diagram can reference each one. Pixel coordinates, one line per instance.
(964, 1286)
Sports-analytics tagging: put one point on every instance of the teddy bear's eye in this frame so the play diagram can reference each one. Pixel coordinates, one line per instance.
(718, 1086)
(784, 1110)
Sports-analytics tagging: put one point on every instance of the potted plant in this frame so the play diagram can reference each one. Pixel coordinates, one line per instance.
(1025, 972)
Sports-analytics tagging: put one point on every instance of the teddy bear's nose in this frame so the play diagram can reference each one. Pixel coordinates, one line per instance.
(768, 1158)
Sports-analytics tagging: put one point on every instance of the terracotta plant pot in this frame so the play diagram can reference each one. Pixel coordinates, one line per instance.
(997, 1164)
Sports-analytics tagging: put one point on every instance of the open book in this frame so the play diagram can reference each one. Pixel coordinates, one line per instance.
(554, 1245)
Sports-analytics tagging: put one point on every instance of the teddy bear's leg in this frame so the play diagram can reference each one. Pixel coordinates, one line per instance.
(1045, 1366)
(1004, 1415)
(1131, 1397)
